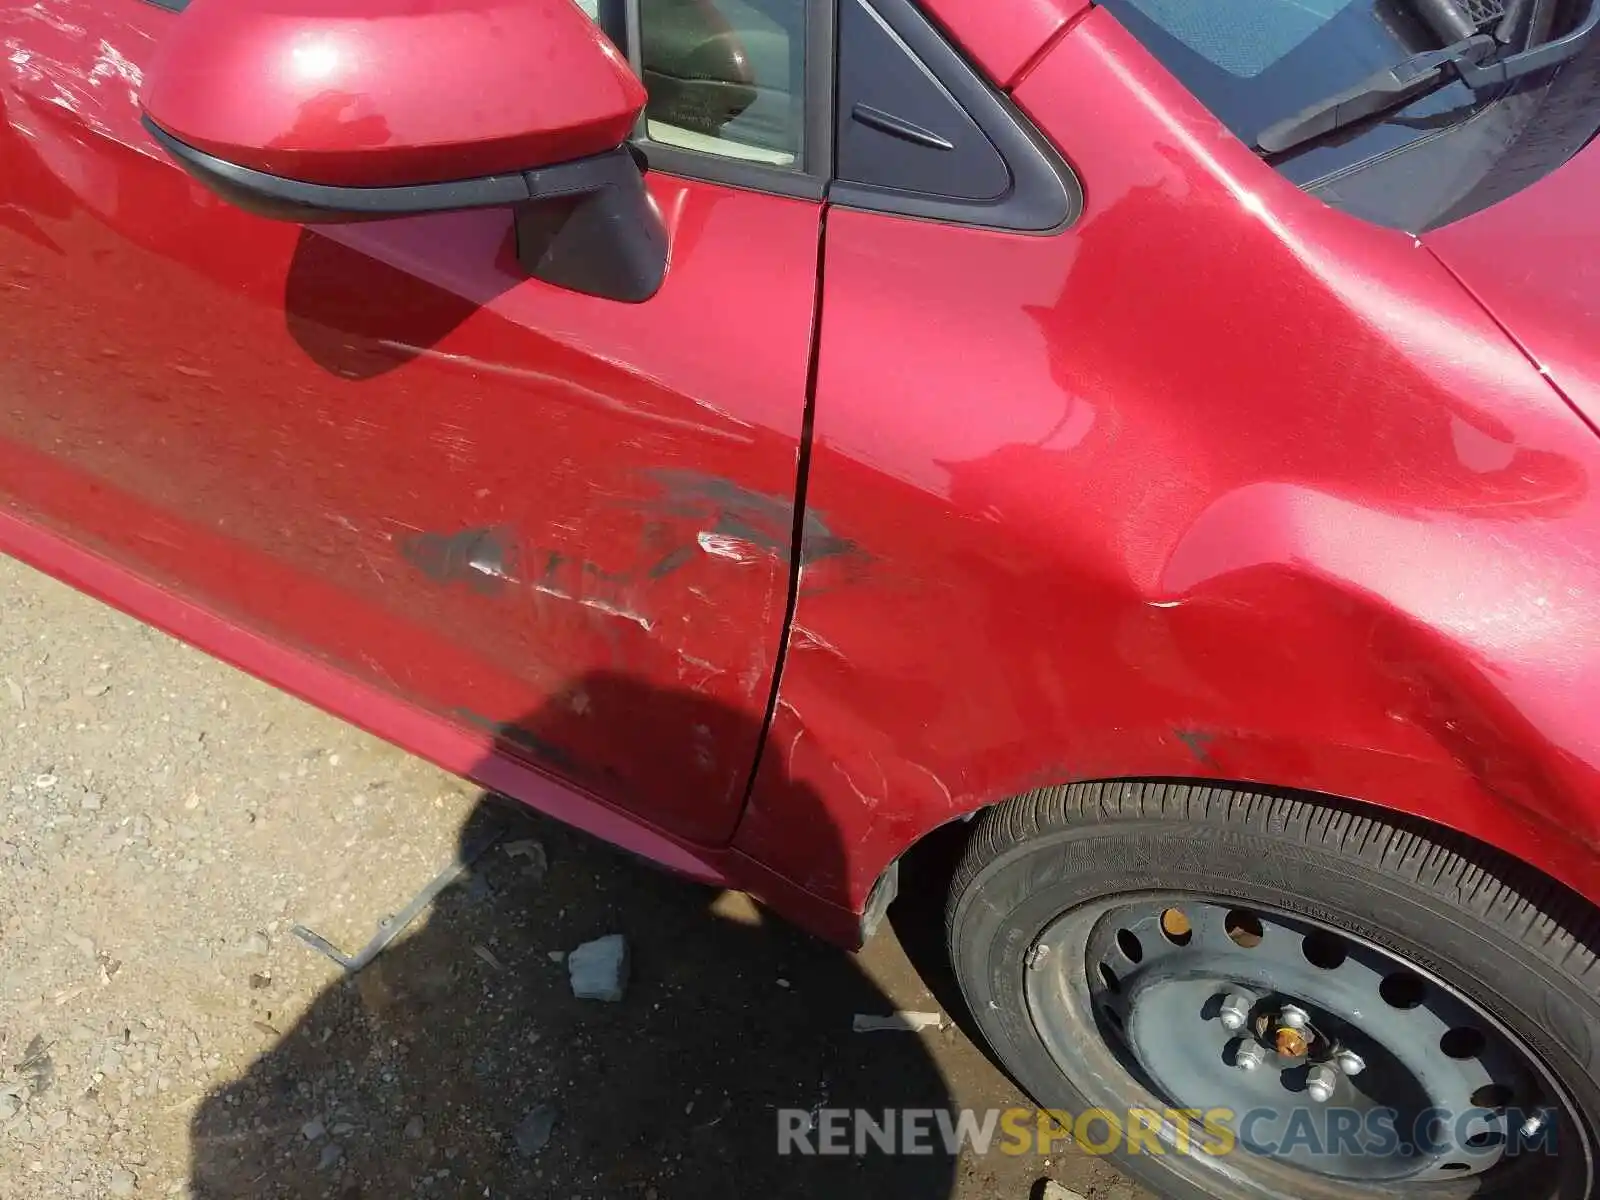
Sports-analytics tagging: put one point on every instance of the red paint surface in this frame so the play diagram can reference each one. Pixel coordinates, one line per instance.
(300, 431)
(329, 94)
(380, 712)
(1534, 260)
(1216, 483)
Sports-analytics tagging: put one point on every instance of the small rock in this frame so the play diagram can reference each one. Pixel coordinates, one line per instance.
(533, 1135)
(413, 1129)
(9, 1107)
(37, 1065)
(97, 689)
(57, 1120)
(45, 782)
(312, 1130)
(1054, 1191)
(257, 943)
(535, 861)
(122, 1182)
(557, 956)
(599, 969)
(487, 955)
(91, 802)
(331, 1154)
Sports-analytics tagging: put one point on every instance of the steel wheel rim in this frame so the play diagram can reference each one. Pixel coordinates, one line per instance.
(1146, 977)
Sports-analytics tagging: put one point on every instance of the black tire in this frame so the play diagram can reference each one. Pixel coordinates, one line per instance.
(1510, 941)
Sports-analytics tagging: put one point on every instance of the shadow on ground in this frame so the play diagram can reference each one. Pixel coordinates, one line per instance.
(416, 1076)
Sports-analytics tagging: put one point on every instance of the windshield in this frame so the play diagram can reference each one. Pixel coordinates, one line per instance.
(1254, 62)
(1245, 37)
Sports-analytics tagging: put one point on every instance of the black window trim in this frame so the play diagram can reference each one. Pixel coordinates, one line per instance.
(807, 182)
(1046, 195)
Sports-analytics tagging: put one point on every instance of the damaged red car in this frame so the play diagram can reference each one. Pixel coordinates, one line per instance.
(764, 432)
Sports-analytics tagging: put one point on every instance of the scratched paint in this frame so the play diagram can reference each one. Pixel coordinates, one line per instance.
(613, 610)
(485, 559)
(720, 545)
(737, 522)
(489, 559)
(67, 81)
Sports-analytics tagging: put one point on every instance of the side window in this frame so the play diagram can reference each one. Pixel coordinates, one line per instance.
(724, 77)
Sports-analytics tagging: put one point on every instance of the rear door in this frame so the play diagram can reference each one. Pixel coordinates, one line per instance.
(384, 446)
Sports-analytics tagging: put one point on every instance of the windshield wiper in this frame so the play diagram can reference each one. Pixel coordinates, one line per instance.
(1468, 60)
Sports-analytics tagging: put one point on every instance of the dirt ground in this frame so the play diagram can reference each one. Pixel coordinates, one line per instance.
(165, 820)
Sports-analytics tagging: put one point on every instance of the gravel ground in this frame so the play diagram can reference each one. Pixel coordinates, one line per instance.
(165, 820)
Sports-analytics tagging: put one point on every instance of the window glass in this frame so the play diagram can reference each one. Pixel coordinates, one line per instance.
(1255, 61)
(724, 77)
(1243, 37)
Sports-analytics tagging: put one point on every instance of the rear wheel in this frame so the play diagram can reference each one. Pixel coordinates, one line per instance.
(1248, 995)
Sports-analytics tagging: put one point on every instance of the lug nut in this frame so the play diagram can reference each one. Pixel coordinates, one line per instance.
(1249, 1056)
(1234, 1013)
(1294, 1016)
(1320, 1081)
(1349, 1062)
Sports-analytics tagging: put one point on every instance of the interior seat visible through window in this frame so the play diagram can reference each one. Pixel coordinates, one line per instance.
(724, 77)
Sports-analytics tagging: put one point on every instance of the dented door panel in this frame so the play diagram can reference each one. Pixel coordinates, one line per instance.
(383, 445)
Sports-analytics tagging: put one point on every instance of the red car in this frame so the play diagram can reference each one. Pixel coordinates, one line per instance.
(764, 432)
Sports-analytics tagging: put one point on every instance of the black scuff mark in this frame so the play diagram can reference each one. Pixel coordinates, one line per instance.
(1199, 743)
(727, 509)
(724, 507)
(819, 543)
(485, 558)
(512, 734)
(681, 557)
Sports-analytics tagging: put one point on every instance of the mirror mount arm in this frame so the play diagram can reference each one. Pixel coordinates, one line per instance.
(587, 225)
(590, 226)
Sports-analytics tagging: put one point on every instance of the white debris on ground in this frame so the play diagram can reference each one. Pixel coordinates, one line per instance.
(898, 1022)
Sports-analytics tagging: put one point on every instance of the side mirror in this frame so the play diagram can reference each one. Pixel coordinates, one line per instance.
(322, 111)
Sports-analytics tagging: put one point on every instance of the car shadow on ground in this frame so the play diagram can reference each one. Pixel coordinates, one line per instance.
(436, 1070)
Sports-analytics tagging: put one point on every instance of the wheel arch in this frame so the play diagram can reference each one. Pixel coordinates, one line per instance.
(1502, 835)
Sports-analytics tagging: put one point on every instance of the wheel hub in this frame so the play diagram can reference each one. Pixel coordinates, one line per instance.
(1211, 1006)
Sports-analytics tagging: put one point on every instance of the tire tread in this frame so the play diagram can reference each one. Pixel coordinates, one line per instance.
(1555, 923)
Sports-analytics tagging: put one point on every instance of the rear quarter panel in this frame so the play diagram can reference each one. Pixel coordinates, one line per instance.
(1218, 483)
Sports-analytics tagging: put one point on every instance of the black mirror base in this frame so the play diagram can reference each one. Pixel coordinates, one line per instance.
(587, 225)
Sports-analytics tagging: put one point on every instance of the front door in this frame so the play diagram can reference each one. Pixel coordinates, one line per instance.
(381, 444)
